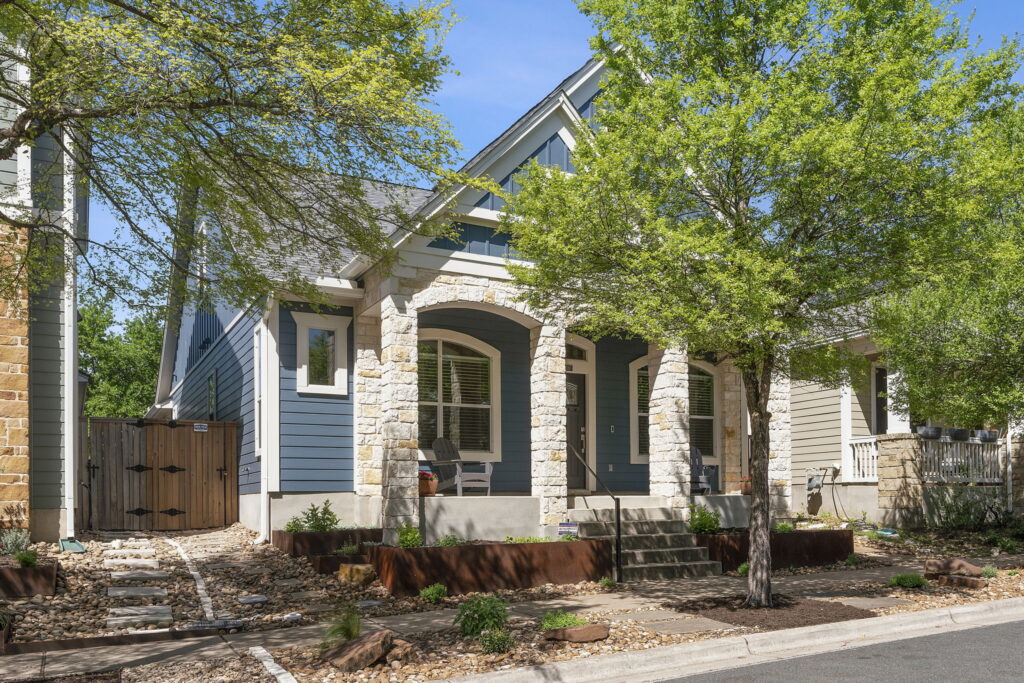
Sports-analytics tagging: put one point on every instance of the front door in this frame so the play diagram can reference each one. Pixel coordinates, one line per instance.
(576, 428)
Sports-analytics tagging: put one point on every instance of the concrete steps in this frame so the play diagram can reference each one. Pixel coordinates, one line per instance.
(656, 545)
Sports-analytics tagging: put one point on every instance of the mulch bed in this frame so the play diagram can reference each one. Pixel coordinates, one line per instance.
(787, 613)
(107, 677)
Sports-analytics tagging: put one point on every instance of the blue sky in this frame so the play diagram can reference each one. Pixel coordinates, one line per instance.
(511, 54)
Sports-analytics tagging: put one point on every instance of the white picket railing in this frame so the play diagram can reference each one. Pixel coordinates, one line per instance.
(962, 461)
(861, 462)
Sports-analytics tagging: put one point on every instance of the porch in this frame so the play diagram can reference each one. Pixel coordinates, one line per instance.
(461, 358)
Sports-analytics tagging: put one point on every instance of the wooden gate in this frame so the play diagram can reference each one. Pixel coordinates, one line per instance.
(157, 475)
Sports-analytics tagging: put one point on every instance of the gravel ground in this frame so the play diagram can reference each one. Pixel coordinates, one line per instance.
(79, 609)
(241, 669)
(1002, 587)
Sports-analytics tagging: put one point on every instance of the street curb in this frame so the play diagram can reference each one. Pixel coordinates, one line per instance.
(690, 658)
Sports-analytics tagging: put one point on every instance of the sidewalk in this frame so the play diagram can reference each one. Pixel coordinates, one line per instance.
(642, 600)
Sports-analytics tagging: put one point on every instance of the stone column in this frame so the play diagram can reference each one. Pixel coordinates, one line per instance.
(669, 427)
(399, 410)
(734, 426)
(780, 437)
(369, 463)
(900, 493)
(548, 475)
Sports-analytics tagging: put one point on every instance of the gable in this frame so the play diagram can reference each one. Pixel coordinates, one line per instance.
(552, 152)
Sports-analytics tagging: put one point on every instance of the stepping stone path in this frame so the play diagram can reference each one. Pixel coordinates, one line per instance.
(252, 599)
(135, 560)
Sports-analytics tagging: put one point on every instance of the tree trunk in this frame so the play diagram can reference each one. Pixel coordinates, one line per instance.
(757, 382)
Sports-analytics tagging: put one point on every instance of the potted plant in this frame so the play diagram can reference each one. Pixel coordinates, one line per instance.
(745, 486)
(929, 432)
(958, 434)
(428, 484)
(986, 435)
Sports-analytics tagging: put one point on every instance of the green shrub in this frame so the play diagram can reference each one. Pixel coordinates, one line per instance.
(526, 539)
(1013, 572)
(559, 619)
(482, 613)
(450, 540)
(989, 572)
(852, 560)
(497, 642)
(27, 558)
(607, 582)
(434, 594)
(13, 541)
(743, 569)
(704, 521)
(908, 581)
(348, 550)
(782, 528)
(320, 518)
(568, 537)
(294, 525)
(409, 537)
(1008, 545)
(345, 625)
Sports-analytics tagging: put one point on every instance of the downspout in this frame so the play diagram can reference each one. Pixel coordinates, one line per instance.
(269, 415)
(70, 334)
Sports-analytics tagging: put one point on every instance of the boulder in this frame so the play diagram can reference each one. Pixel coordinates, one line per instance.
(578, 634)
(954, 566)
(961, 581)
(402, 651)
(358, 574)
(360, 652)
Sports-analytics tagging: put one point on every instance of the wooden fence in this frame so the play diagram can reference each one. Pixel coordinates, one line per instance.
(157, 475)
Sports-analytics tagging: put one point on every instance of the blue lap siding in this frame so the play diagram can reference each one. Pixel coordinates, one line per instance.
(230, 356)
(613, 358)
(513, 341)
(316, 430)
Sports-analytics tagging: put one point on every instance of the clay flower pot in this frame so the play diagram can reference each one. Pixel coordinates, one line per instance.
(428, 487)
(746, 487)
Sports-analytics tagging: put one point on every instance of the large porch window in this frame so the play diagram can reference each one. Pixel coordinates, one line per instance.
(459, 381)
(639, 412)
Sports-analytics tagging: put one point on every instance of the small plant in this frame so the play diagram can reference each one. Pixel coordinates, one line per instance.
(434, 594)
(783, 528)
(908, 581)
(349, 550)
(345, 625)
(497, 642)
(294, 525)
(526, 539)
(704, 521)
(427, 476)
(743, 569)
(409, 537)
(482, 613)
(320, 518)
(27, 558)
(451, 540)
(13, 541)
(852, 560)
(607, 582)
(989, 572)
(559, 619)
(1013, 572)
(569, 537)
(5, 619)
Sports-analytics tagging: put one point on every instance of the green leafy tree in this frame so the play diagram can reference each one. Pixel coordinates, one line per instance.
(121, 364)
(759, 169)
(956, 340)
(259, 117)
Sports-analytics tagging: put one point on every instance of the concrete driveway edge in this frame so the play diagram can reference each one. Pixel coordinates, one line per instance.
(722, 653)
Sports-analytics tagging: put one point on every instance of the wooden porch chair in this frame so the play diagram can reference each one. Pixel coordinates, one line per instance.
(450, 468)
(699, 483)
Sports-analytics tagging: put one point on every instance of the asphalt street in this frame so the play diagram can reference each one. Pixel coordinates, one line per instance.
(987, 653)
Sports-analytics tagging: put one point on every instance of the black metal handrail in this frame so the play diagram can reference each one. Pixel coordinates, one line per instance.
(618, 513)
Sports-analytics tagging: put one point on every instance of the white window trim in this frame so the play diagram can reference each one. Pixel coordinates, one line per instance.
(587, 368)
(717, 428)
(493, 455)
(304, 322)
(635, 456)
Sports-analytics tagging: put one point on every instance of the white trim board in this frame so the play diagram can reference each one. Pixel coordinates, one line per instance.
(338, 324)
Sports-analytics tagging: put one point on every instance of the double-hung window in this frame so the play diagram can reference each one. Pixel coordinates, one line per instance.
(458, 393)
(639, 415)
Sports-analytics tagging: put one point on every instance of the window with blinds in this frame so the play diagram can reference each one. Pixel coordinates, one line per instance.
(454, 395)
(702, 411)
(643, 398)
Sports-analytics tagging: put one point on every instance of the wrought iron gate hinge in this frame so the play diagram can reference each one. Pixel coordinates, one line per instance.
(173, 512)
(139, 511)
(172, 469)
(138, 468)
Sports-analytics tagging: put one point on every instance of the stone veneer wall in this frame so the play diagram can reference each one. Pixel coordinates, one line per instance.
(668, 410)
(780, 442)
(1016, 464)
(900, 495)
(14, 454)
